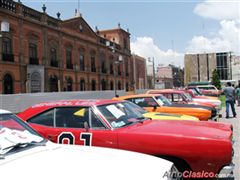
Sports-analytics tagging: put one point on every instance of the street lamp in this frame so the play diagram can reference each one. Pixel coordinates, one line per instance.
(118, 61)
(153, 63)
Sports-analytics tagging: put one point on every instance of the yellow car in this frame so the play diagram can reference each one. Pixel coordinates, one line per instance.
(165, 116)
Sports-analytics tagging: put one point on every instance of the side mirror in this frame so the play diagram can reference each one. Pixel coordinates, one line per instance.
(86, 126)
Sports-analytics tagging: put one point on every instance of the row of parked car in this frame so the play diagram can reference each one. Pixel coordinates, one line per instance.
(167, 124)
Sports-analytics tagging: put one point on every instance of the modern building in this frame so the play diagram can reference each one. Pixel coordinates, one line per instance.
(40, 53)
(236, 69)
(199, 67)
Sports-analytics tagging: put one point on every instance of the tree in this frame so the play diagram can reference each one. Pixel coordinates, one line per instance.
(215, 79)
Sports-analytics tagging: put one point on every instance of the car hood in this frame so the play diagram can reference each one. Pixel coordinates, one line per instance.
(184, 129)
(166, 116)
(78, 162)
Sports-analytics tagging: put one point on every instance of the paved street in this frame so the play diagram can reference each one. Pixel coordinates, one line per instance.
(236, 134)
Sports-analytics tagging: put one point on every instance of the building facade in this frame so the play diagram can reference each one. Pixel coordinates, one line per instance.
(169, 77)
(199, 67)
(236, 69)
(139, 73)
(40, 53)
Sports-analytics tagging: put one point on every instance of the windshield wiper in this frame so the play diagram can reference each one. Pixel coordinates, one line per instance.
(141, 119)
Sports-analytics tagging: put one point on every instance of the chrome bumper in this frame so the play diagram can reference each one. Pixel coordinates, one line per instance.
(227, 171)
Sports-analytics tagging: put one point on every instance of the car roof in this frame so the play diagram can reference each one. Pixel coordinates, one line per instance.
(136, 96)
(165, 91)
(2, 111)
(75, 102)
(41, 107)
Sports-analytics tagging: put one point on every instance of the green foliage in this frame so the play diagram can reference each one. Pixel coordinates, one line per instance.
(215, 79)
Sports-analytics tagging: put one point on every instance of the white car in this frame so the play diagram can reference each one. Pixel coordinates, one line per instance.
(24, 154)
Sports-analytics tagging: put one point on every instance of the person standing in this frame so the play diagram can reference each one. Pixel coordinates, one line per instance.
(238, 94)
(229, 92)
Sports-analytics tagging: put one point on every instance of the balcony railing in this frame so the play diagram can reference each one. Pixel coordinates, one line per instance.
(33, 60)
(28, 12)
(8, 57)
(69, 66)
(9, 5)
(54, 63)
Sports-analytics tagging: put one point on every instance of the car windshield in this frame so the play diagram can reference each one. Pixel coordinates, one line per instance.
(163, 101)
(121, 114)
(15, 133)
(187, 96)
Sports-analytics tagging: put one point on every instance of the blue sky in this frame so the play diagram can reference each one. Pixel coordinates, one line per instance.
(164, 30)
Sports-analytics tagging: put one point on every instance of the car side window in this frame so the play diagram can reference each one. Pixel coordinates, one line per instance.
(46, 118)
(177, 98)
(72, 117)
(168, 96)
(95, 122)
(145, 102)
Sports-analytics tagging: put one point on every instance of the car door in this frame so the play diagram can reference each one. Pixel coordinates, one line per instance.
(82, 126)
(71, 125)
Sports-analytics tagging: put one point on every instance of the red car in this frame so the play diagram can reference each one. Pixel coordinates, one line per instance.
(179, 97)
(196, 146)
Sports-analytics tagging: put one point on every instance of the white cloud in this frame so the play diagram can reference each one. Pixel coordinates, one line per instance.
(145, 47)
(227, 38)
(219, 10)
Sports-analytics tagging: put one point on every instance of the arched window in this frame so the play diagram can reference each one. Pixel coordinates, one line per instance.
(53, 84)
(33, 55)
(103, 63)
(35, 82)
(103, 84)
(119, 85)
(82, 85)
(111, 68)
(7, 84)
(53, 57)
(82, 63)
(127, 86)
(69, 63)
(111, 85)
(93, 63)
(93, 85)
(7, 54)
(69, 84)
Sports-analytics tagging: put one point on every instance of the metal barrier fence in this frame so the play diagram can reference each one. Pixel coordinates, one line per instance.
(18, 102)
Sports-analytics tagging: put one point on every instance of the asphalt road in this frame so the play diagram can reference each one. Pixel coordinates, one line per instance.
(236, 135)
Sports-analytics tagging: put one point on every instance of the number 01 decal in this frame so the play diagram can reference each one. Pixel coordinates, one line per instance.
(87, 138)
(70, 138)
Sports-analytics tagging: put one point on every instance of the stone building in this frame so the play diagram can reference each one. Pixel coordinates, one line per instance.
(139, 73)
(40, 53)
(199, 67)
